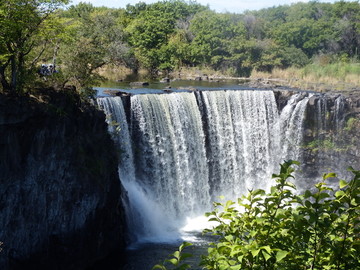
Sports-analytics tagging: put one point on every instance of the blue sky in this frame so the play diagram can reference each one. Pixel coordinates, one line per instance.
(236, 6)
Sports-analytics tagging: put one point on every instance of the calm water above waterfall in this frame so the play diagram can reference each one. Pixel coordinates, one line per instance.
(180, 151)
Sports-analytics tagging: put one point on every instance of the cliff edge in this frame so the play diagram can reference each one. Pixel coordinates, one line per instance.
(60, 194)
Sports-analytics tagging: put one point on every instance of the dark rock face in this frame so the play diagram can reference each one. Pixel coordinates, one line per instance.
(282, 97)
(331, 135)
(60, 195)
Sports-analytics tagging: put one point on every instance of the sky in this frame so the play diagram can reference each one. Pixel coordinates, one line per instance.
(233, 6)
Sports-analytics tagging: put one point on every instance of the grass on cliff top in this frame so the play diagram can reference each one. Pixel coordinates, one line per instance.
(328, 77)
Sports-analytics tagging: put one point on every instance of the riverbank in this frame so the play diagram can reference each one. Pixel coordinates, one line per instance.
(339, 77)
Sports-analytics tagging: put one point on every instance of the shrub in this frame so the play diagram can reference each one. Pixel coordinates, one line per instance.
(319, 229)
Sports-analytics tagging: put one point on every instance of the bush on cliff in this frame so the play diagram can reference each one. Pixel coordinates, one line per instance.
(319, 229)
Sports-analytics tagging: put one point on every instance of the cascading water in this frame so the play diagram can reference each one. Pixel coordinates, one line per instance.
(291, 125)
(171, 167)
(240, 127)
(170, 154)
(339, 115)
(180, 151)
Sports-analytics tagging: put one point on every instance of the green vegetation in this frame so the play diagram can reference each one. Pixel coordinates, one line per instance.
(26, 28)
(319, 229)
(325, 144)
(351, 124)
(335, 70)
(320, 39)
(177, 259)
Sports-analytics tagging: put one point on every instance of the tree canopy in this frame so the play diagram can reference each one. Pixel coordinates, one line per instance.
(167, 35)
(25, 26)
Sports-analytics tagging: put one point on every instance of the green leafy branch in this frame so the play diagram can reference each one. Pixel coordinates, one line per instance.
(176, 259)
(319, 229)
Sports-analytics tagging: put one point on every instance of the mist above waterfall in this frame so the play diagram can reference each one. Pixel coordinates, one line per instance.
(180, 151)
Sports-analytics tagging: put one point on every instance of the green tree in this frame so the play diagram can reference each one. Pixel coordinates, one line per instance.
(219, 40)
(93, 38)
(346, 28)
(24, 25)
(305, 34)
(151, 29)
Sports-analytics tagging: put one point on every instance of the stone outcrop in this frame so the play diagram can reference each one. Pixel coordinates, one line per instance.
(60, 195)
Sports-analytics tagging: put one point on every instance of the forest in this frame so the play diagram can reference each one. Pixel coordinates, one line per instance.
(164, 36)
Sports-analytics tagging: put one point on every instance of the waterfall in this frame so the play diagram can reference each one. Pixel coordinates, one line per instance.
(169, 177)
(179, 151)
(241, 126)
(171, 160)
(339, 113)
(291, 125)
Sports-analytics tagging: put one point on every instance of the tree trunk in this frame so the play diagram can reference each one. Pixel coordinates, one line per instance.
(4, 83)
(13, 83)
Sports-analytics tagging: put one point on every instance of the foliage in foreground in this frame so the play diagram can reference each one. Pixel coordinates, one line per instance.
(319, 229)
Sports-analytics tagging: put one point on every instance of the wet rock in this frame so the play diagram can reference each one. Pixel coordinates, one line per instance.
(282, 97)
(122, 94)
(165, 80)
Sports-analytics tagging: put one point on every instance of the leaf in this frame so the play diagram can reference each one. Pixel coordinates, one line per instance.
(329, 175)
(308, 204)
(342, 183)
(266, 255)
(228, 204)
(173, 261)
(267, 248)
(258, 192)
(323, 195)
(240, 258)
(184, 245)
(307, 194)
(281, 254)
(339, 193)
(255, 252)
(230, 238)
(289, 184)
(176, 254)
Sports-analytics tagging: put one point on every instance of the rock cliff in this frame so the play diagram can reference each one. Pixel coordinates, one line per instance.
(331, 135)
(60, 195)
(331, 138)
